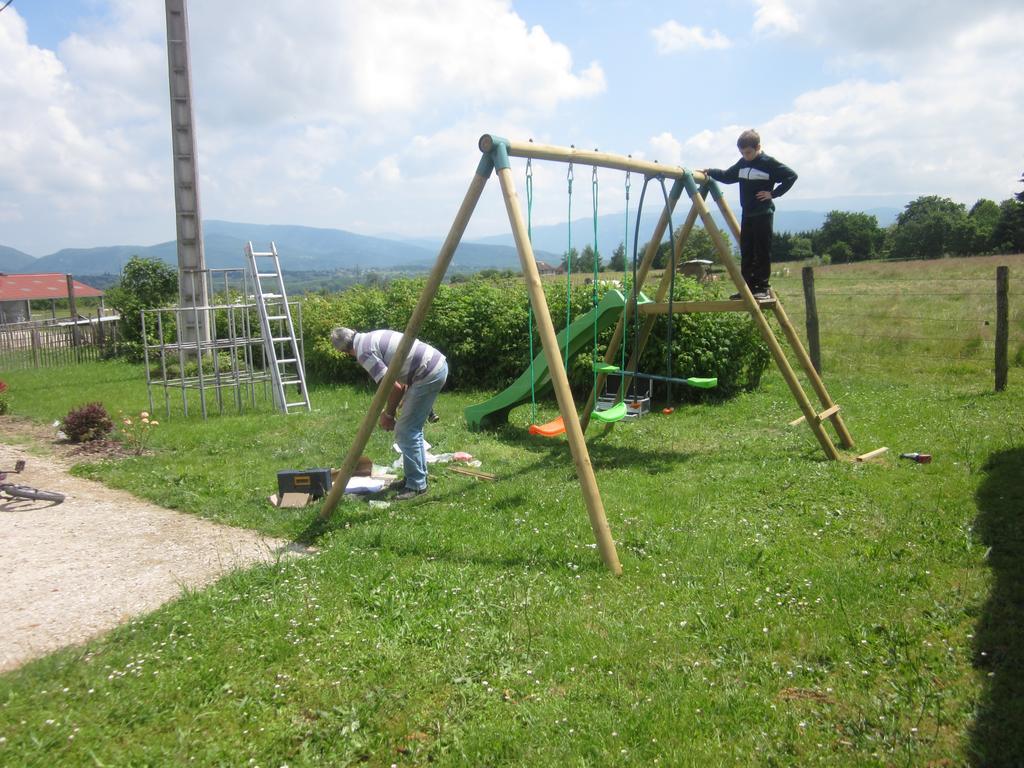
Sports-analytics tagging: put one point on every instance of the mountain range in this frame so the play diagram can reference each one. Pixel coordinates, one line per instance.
(317, 249)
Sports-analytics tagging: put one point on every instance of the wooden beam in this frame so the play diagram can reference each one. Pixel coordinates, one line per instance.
(369, 422)
(472, 473)
(872, 454)
(845, 438)
(691, 307)
(788, 374)
(559, 380)
(586, 157)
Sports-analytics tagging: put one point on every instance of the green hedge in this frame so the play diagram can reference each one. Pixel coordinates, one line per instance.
(481, 326)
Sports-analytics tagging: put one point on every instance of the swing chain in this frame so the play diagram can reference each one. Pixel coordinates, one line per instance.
(529, 200)
(594, 193)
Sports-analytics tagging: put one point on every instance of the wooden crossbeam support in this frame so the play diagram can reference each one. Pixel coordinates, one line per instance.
(828, 412)
(691, 307)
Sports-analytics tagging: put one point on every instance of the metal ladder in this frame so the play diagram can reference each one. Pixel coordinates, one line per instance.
(280, 344)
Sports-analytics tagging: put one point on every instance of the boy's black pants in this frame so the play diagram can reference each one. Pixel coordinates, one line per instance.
(756, 251)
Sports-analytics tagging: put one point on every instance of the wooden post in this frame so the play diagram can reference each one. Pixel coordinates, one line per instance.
(725, 254)
(100, 335)
(831, 409)
(76, 340)
(37, 351)
(811, 306)
(798, 349)
(419, 313)
(559, 380)
(1002, 326)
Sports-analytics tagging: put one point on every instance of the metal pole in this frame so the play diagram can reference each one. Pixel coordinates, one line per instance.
(189, 225)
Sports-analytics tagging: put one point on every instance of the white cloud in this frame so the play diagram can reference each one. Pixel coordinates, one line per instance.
(667, 149)
(775, 17)
(386, 171)
(878, 27)
(352, 60)
(300, 109)
(938, 122)
(672, 37)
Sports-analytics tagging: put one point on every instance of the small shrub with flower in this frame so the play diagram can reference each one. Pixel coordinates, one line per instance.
(5, 404)
(87, 423)
(135, 433)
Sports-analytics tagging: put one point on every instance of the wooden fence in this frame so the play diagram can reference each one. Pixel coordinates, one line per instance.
(48, 343)
(938, 329)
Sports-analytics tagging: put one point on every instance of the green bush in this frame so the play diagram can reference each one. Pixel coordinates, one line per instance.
(481, 326)
(145, 284)
(87, 423)
(223, 365)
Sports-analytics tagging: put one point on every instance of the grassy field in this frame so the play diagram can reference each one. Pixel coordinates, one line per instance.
(776, 608)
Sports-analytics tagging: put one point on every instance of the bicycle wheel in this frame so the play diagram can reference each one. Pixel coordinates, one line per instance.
(25, 492)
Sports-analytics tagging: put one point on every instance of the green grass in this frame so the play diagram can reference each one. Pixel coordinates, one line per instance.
(776, 608)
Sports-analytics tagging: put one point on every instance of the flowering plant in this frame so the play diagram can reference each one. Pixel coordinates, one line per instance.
(136, 432)
(5, 404)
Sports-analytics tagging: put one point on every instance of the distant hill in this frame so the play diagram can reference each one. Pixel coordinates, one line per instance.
(326, 250)
(301, 249)
(12, 260)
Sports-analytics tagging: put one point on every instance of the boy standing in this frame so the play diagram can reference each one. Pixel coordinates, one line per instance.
(761, 179)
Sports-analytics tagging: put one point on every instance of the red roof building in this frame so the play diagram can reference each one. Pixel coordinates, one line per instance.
(16, 291)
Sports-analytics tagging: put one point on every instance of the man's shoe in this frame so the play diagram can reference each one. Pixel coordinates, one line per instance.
(404, 493)
(762, 295)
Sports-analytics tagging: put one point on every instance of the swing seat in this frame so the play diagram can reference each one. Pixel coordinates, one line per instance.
(616, 413)
(607, 368)
(702, 383)
(551, 429)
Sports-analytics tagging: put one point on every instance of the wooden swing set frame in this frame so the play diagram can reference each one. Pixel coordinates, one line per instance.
(496, 152)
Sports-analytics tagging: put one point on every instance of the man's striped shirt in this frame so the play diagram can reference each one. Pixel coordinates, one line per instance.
(376, 349)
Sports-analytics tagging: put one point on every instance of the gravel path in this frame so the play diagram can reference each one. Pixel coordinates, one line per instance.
(78, 569)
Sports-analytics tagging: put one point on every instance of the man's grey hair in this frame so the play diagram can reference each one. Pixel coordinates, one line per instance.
(342, 339)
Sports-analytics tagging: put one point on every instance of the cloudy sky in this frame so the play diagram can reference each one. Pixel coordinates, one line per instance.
(364, 115)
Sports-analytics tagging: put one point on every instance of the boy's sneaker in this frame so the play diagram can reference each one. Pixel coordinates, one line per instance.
(433, 418)
(735, 297)
(762, 294)
(404, 493)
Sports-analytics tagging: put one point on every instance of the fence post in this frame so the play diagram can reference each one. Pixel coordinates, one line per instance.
(37, 353)
(73, 308)
(1002, 326)
(811, 307)
(101, 336)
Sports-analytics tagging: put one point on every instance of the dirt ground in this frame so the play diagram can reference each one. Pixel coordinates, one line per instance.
(75, 570)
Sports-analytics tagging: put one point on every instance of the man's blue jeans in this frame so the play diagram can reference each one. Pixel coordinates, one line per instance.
(419, 400)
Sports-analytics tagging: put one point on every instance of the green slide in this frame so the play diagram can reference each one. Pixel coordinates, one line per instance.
(494, 412)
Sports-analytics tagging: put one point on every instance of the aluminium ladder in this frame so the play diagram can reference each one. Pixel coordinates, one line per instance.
(280, 344)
